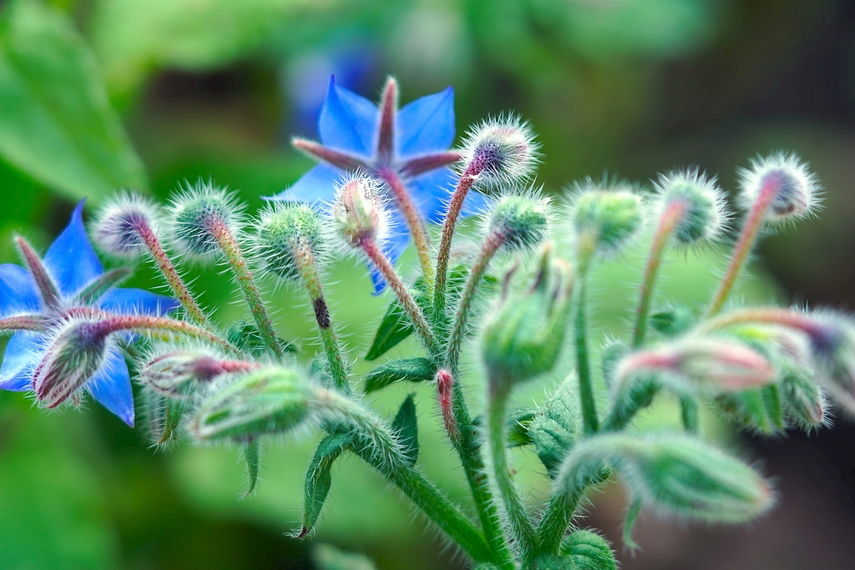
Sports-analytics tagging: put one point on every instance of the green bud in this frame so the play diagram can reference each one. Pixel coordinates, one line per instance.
(605, 221)
(267, 401)
(674, 473)
(805, 405)
(180, 374)
(525, 334)
(285, 231)
(500, 151)
(359, 212)
(697, 202)
(760, 410)
(522, 221)
(198, 215)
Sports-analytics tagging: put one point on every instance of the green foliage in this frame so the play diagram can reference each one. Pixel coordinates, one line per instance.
(672, 322)
(556, 427)
(406, 426)
(588, 551)
(57, 124)
(245, 335)
(319, 477)
(409, 369)
(328, 557)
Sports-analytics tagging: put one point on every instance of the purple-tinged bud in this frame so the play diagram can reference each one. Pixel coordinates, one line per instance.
(181, 373)
(73, 356)
(267, 401)
(284, 231)
(198, 215)
(500, 151)
(521, 220)
(121, 226)
(794, 188)
(697, 203)
(359, 212)
(708, 365)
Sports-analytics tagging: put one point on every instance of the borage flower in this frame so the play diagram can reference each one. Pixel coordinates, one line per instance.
(408, 149)
(68, 281)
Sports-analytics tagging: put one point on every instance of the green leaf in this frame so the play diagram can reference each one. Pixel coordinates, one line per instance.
(555, 428)
(319, 478)
(407, 428)
(328, 557)
(588, 551)
(673, 322)
(56, 123)
(410, 369)
(246, 336)
(251, 456)
(518, 425)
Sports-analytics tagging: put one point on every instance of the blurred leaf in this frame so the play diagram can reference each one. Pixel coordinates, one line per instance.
(407, 428)
(319, 478)
(411, 369)
(246, 336)
(589, 551)
(56, 123)
(330, 558)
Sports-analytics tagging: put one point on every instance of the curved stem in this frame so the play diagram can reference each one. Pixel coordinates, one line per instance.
(583, 367)
(375, 254)
(167, 269)
(147, 324)
(556, 518)
(667, 224)
(414, 221)
(312, 280)
(467, 179)
(744, 244)
(520, 525)
(235, 258)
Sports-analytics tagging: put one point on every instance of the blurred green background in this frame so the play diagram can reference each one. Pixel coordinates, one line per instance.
(102, 94)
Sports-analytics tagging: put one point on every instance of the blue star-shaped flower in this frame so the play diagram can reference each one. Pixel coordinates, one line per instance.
(409, 145)
(75, 274)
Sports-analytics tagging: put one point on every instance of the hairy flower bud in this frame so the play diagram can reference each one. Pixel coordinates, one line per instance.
(525, 334)
(500, 151)
(795, 189)
(120, 226)
(282, 232)
(266, 401)
(697, 202)
(196, 217)
(72, 357)
(521, 220)
(180, 373)
(359, 212)
(675, 474)
(605, 220)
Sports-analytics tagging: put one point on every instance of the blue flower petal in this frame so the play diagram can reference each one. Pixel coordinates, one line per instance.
(111, 387)
(314, 186)
(137, 301)
(17, 290)
(71, 259)
(21, 357)
(429, 190)
(347, 121)
(476, 203)
(427, 124)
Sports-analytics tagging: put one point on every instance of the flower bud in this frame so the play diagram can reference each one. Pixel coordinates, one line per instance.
(760, 410)
(795, 188)
(283, 232)
(525, 334)
(605, 220)
(180, 373)
(359, 212)
(120, 226)
(267, 401)
(804, 403)
(698, 202)
(500, 151)
(197, 215)
(521, 220)
(74, 355)
(832, 348)
(675, 474)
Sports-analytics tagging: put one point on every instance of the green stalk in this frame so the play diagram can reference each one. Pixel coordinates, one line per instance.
(583, 367)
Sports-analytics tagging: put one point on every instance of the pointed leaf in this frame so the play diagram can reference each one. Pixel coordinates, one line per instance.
(555, 428)
(409, 369)
(319, 478)
(518, 426)
(407, 428)
(251, 455)
(395, 326)
(173, 411)
(101, 284)
(246, 336)
(589, 551)
(57, 124)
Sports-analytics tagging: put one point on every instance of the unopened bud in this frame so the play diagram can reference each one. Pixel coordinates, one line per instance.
(445, 390)
(180, 373)
(525, 335)
(283, 232)
(521, 220)
(675, 474)
(759, 410)
(605, 220)
(74, 355)
(698, 203)
(120, 227)
(804, 403)
(359, 212)
(500, 151)
(795, 189)
(197, 215)
(267, 401)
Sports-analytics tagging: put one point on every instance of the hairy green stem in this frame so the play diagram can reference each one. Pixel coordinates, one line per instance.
(583, 366)
(556, 518)
(246, 282)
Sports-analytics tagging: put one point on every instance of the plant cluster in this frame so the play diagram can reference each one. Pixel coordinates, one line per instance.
(384, 175)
